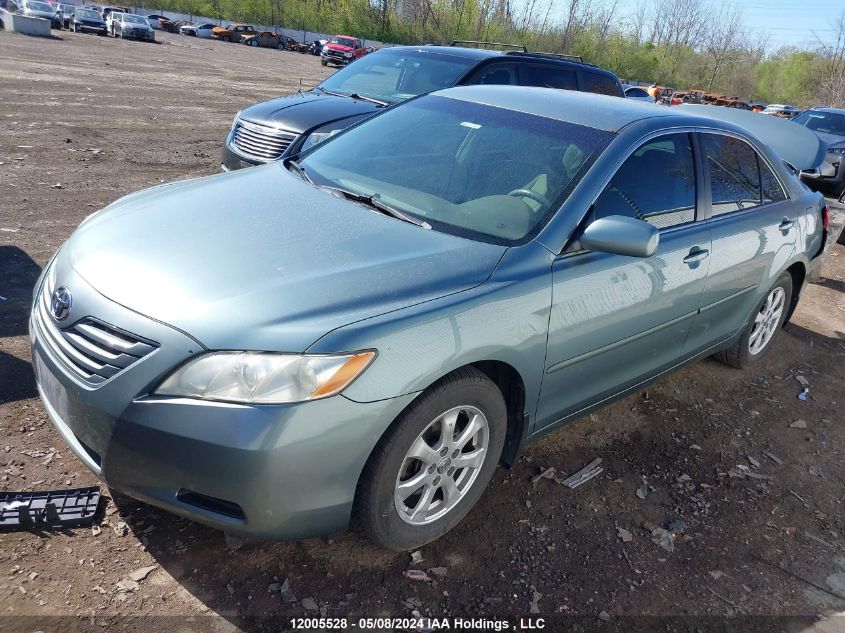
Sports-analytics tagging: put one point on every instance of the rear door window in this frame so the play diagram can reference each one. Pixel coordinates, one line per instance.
(739, 178)
(600, 84)
(496, 75)
(655, 184)
(559, 77)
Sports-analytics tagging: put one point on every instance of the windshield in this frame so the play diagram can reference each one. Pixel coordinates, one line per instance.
(825, 122)
(395, 76)
(39, 6)
(480, 171)
(86, 14)
(134, 19)
(343, 41)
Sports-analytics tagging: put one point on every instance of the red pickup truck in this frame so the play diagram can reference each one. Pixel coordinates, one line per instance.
(342, 49)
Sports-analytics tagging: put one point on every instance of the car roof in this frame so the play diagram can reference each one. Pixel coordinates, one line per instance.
(831, 110)
(602, 112)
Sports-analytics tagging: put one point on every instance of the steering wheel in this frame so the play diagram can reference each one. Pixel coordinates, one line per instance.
(533, 195)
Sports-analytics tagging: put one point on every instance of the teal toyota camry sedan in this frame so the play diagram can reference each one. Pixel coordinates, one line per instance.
(359, 335)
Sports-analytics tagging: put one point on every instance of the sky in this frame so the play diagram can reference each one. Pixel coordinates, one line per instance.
(784, 22)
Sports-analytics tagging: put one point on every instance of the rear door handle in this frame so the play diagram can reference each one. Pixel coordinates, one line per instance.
(786, 224)
(696, 256)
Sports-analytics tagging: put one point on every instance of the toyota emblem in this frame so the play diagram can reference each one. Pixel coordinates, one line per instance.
(60, 303)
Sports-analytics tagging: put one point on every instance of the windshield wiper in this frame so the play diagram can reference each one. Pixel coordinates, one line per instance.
(299, 169)
(353, 95)
(373, 201)
(378, 102)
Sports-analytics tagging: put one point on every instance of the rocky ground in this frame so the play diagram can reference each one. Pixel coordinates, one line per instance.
(721, 493)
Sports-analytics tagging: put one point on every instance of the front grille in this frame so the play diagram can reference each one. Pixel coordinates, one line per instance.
(92, 350)
(261, 141)
(336, 54)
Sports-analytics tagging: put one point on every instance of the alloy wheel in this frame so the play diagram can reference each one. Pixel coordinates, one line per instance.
(766, 321)
(441, 465)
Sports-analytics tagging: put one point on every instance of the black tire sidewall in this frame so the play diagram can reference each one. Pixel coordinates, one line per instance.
(746, 358)
(378, 512)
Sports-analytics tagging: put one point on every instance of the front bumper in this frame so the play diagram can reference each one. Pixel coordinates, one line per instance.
(231, 160)
(340, 61)
(832, 170)
(91, 29)
(271, 471)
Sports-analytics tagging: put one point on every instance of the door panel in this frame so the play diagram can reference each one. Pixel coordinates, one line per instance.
(747, 208)
(617, 320)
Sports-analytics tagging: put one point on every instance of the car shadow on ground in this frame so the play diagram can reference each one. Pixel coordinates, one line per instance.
(833, 284)
(18, 274)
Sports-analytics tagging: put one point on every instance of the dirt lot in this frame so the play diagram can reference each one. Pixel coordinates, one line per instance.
(755, 504)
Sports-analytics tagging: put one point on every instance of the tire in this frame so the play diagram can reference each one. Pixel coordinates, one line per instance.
(426, 513)
(745, 352)
(323, 62)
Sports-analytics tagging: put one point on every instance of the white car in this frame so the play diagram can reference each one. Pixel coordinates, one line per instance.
(197, 30)
(637, 94)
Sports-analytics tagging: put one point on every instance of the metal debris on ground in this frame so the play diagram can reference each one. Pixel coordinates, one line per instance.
(57, 508)
(584, 475)
(416, 558)
(805, 393)
(417, 574)
(624, 534)
(573, 481)
(545, 473)
(798, 424)
(642, 491)
(777, 460)
(802, 381)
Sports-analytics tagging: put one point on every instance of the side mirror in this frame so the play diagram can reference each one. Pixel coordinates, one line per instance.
(620, 235)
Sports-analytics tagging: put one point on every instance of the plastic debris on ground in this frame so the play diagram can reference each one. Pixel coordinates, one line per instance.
(57, 508)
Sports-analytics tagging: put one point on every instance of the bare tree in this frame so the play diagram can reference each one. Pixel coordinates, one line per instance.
(831, 88)
(723, 40)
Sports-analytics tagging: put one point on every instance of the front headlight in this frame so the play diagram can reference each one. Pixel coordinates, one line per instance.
(264, 377)
(347, 54)
(836, 150)
(317, 137)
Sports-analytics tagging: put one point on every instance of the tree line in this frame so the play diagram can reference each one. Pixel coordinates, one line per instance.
(677, 43)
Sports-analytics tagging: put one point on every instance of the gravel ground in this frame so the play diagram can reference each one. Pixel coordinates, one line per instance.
(753, 503)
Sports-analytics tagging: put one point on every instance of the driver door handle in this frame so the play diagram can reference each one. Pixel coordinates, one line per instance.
(786, 224)
(696, 256)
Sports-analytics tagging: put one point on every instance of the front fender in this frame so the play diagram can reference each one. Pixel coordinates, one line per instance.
(505, 319)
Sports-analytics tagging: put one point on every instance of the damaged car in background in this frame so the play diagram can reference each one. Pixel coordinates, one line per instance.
(364, 341)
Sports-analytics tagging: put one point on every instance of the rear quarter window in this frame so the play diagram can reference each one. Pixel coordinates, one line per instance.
(548, 77)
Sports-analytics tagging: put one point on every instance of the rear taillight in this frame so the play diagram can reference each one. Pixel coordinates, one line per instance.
(826, 217)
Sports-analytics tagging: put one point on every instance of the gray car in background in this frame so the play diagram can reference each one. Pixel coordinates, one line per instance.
(363, 333)
(829, 125)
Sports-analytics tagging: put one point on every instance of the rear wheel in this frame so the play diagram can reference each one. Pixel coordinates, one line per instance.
(768, 318)
(432, 466)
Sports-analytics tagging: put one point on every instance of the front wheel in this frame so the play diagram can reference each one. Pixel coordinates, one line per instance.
(432, 466)
(768, 318)
(323, 62)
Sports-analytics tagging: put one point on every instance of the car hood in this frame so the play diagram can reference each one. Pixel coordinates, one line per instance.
(303, 110)
(339, 47)
(35, 13)
(830, 139)
(258, 259)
